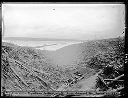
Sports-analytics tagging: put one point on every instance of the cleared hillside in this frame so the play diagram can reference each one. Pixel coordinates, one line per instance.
(94, 54)
(68, 68)
(28, 69)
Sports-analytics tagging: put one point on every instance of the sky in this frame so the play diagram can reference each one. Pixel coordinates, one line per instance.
(63, 21)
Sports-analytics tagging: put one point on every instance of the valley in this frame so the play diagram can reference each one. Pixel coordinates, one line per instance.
(75, 67)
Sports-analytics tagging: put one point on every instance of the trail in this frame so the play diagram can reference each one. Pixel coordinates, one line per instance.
(81, 85)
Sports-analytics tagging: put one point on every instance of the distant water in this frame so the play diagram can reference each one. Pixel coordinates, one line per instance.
(43, 45)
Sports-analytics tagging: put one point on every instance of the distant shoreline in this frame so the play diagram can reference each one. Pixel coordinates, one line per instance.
(43, 45)
(37, 39)
(56, 47)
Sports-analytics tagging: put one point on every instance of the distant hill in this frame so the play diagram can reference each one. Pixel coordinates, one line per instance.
(36, 39)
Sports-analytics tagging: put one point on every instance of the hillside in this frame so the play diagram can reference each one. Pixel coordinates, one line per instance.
(102, 51)
(28, 69)
(68, 68)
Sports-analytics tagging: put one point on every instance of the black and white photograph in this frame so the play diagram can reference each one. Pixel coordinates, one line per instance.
(62, 49)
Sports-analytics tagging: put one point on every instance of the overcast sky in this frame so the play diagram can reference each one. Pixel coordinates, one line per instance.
(75, 21)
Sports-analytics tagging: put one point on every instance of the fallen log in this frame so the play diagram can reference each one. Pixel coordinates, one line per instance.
(113, 80)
